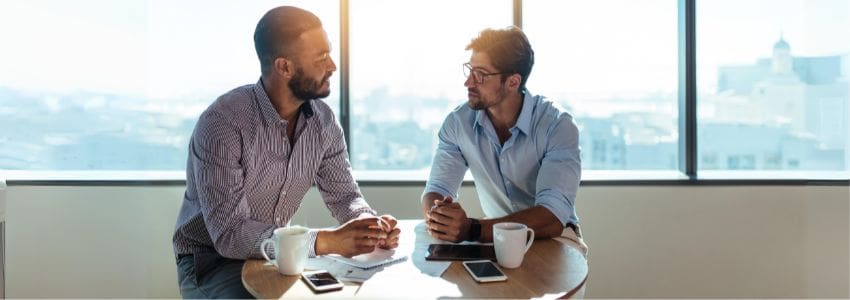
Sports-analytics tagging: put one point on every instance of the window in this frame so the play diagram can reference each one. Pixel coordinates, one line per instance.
(119, 85)
(407, 75)
(615, 71)
(779, 101)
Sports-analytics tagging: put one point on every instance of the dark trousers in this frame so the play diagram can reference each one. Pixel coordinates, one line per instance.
(210, 276)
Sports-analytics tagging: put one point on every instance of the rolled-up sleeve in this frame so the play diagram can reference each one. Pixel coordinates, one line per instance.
(560, 171)
(449, 165)
(215, 151)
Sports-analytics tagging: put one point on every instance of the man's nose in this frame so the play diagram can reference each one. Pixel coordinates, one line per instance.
(332, 66)
(470, 82)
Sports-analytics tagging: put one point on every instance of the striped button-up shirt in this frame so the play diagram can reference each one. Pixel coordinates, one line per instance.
(245, 178)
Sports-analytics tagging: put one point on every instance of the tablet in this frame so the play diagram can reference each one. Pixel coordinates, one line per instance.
(460, 252)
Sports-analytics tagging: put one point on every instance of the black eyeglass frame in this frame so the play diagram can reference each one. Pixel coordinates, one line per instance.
(478, 76)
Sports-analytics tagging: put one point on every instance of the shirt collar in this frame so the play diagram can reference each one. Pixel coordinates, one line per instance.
(479, 118)
(523, 122)
(269, 112)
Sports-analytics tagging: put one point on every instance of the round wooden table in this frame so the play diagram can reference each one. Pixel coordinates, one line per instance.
(551, 268)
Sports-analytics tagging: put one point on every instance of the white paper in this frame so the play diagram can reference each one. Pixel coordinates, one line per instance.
(347, 269)
(376, 258)
(340, 270)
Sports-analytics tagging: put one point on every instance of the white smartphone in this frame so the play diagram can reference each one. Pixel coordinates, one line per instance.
(321, 281)
(484, 271)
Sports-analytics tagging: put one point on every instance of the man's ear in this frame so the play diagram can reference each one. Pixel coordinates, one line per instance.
(514, 81)
(283, 67)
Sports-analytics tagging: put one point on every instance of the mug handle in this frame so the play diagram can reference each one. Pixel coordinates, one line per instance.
(530, 241)
(263, 251)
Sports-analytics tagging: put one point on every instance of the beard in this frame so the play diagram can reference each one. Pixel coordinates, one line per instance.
(476, 104)
(480, 103)
(305, 88)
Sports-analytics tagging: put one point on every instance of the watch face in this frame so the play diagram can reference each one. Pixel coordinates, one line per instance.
(474, 230)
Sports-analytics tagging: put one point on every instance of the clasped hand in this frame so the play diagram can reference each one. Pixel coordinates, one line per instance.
(362, 235)
(447, 220)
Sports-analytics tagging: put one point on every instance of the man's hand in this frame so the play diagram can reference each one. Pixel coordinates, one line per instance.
(433, 200)
(388, 223)
(447, 221)
(355, 237)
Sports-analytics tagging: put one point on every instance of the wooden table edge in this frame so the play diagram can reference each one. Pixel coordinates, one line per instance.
(571, 293)
(245, 284)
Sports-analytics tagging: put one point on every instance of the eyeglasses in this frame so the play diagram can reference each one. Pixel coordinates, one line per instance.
(477, 75)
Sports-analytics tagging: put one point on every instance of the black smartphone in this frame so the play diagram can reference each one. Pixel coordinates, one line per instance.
(460, 252)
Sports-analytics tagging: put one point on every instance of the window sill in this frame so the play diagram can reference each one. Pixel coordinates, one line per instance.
(418, 178)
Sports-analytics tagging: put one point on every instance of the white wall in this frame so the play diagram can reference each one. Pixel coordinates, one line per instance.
(717, 242)
(90, 242)
(655, 242)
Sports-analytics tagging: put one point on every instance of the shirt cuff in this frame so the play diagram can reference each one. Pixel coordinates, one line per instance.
(439, 190)
(367, 214)
(363, 211)
(267, 234)
(311, 242)
(558, 205)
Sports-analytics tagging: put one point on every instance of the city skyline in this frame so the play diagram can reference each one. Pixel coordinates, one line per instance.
(399, 146)
(622, 90)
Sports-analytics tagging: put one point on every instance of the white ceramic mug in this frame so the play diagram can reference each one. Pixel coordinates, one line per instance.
(290, 249)
(511, 241)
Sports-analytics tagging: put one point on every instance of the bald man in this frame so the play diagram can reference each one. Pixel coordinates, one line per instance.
(253, 156)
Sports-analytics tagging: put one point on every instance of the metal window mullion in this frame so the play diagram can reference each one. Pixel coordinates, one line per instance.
(687, 88)
(517, 12)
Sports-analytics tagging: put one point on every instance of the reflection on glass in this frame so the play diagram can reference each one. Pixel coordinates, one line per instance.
(779, 101)
(406, 75)
(123, 84)
(615, 71)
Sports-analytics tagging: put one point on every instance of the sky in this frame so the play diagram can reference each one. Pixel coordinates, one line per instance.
(417, 47)
(186, 50)
(157, 49)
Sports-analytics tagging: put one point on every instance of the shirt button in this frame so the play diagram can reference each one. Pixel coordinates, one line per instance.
(277, 220)
(284, 193)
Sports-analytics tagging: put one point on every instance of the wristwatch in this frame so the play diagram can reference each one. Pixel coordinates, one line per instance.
(474, 230)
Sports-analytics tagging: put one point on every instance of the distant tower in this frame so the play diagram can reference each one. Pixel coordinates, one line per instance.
(782, 61)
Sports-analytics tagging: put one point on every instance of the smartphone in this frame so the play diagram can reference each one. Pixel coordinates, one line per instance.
(484, 271)
(460, 252)
(321, 281)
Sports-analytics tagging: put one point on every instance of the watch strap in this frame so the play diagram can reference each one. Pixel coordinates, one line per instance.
(474, 230)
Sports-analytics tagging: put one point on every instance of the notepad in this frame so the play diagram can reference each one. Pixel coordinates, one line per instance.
(376, 258)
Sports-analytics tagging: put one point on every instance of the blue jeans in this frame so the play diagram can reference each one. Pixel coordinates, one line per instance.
(208, 275)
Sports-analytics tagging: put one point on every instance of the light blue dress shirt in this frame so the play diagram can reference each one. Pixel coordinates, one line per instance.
(539, 165)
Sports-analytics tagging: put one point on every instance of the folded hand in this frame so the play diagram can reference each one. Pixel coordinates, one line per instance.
(388, 224)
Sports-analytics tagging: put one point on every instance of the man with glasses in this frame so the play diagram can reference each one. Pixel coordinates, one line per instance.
(253, 156)
(522, 150)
